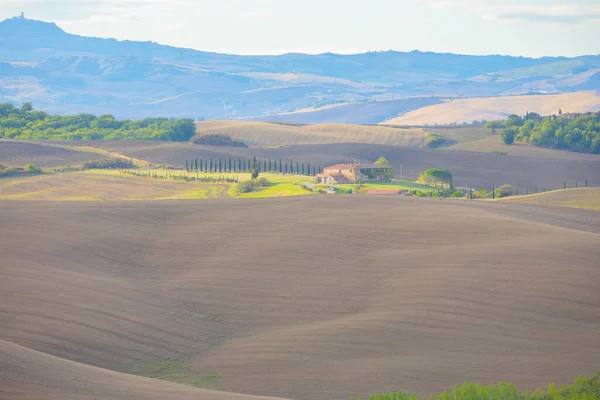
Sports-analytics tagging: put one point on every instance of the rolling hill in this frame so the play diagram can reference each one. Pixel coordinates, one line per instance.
(273, 134)
(323, 297)
(496, 108)
(65, 73)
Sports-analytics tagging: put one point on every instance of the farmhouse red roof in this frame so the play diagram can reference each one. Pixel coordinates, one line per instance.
(341, 166)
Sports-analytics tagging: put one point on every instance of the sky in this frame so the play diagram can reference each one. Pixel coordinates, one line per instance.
(532, 28)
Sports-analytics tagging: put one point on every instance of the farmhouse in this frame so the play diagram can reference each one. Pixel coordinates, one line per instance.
(355, 173)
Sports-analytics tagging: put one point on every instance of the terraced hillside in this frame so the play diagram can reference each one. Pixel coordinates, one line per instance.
(307, 298)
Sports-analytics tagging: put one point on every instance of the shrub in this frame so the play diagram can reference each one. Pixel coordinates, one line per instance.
(251, 185)
(217, 140)
(504, 191)
(457, 194)
(111, 163)
(32, 169)
(433, 140)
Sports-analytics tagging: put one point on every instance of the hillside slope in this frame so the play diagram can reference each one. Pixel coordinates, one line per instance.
(577, 198)
(496, 108)
(313, 298)
(29, 374)
(271, 134)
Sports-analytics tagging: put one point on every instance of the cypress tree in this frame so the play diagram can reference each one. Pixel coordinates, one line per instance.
(297, 169)
(205, 165)
(244, 168)
(200, 166)
(239, 164)
(211, 166)
(220, 165)
(286, 167)
(494, 192)
(264, 165)
(255, 168)
(564, 184)
(308, 172)
(187, 168)
(270, 168)
(281, 168)
(302, 169)
(229, 164)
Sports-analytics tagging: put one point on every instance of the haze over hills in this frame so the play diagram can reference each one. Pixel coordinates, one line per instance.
(66, 73)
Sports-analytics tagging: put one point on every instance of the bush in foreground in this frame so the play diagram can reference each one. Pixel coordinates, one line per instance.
(581, 389)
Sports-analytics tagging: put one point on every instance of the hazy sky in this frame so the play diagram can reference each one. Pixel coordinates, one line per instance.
(524, 27)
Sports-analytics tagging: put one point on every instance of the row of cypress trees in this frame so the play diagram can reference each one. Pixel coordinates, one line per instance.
(238, 165)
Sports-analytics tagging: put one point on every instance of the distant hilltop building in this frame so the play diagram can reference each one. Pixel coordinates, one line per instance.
(355, 173)
(22, 15)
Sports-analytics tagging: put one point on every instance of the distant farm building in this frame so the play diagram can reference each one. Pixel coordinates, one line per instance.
(355, 173)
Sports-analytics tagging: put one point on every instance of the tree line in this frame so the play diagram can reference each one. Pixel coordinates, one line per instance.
(577, 132)
(26, 123)
(233, 164)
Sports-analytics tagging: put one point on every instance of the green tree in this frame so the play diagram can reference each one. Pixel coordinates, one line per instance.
(382, 161)
(435, 176)
(255, 168)
(26, 107)
(508, 135)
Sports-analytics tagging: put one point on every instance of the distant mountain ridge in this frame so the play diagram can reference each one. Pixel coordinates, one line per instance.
(65, 73)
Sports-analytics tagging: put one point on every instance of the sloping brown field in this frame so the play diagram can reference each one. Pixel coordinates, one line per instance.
(28, 374)
(273, 134)
(312, 298)
(103, 185)
(23, 153)
(588, 198)
(499, 107)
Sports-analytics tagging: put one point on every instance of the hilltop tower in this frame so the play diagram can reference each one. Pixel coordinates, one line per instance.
(22, 15)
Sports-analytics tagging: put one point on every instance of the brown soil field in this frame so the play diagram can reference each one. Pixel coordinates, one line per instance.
(31, 375)
(102, 185)
(544, 168)
(22, 153)
(274, 134)
(495, 108)
(306, 298)
(578, 198)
